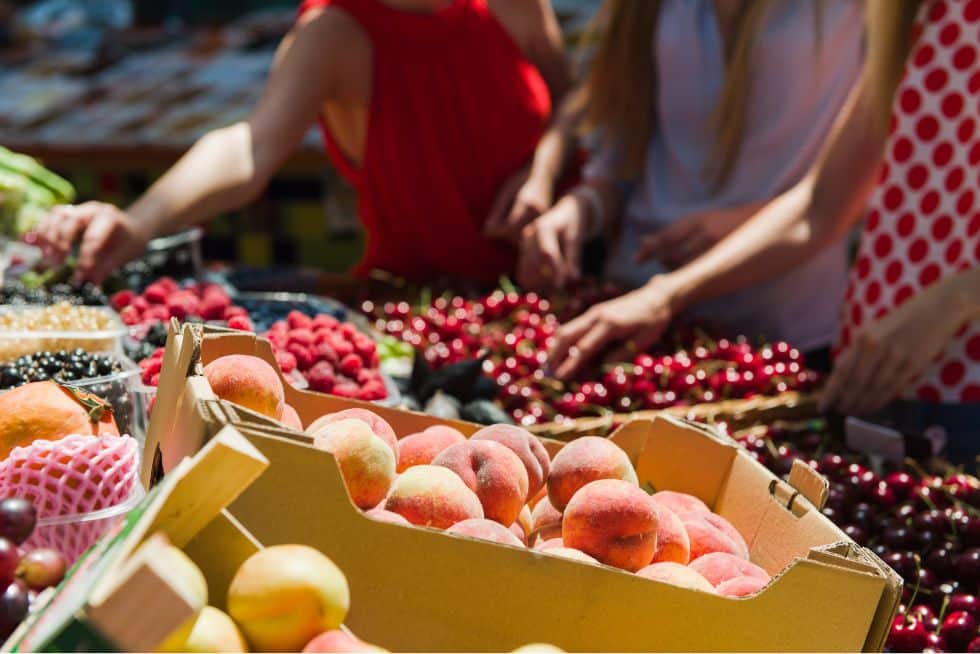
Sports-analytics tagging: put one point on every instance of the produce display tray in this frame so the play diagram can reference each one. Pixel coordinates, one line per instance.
(266, 308)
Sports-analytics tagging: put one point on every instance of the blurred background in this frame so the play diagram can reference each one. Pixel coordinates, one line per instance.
(109, 93)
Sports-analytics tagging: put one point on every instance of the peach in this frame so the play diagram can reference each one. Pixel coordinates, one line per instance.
(672, 541)
(383, 515)
(719, 567)
(491, 471)
(366, 462)
(676, 574)
(337, 640)
(248, 381)
(420, 448)
(190, 582)
(741, 586)
(585, 460)
(542, 493)
(432, 496)
(378, 425)
(212, 631)
(680, 503)
(290, 418)
(485, 530)
(545, 521)
(528, 449)
(570, 553)
(729, 530)
(613, 521)
(549, 543)
(538, 647)
(519, 533)
(284, 595)
(706, 538)
(525, 520)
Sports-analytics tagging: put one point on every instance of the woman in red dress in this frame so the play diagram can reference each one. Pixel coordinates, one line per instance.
(428, 108)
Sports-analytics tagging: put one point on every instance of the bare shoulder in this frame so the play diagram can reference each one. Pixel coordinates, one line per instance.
(335, 31)
(524, 20)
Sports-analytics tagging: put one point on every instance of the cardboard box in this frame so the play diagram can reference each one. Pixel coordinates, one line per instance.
(418, 589)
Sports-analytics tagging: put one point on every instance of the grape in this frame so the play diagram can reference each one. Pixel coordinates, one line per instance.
(13, 608)
(17, 519)
(9, 559)
(42, 568)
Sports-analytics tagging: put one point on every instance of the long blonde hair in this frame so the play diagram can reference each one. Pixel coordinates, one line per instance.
(619, 92)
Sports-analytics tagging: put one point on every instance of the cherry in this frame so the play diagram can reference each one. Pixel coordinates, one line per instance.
(856, 533)
(933, 521)
(901, 483)
(974, 645)
(934, 643)
(903, 563)
(964, 602)
(907, 635)
(968, 529)
(968, 568)
(883, 496)
(958, 629)
(862, 514)
(940, 560)
(925, 613)
(898, 537)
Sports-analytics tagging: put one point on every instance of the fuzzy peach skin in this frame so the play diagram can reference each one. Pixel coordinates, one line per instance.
(613, 521)
(719, 567)
(248, 381)
(525, 520)
(491, 471)
(729, 530)
(378, 425)
(541, 494)
(672, 541)
(585, 460)
(519, 533)
(677, 575)
(290, 418)
(545, 521)
(680, 503)
(528, 449)
(212, 631)
(284, 595)
(549, 543)
(706, 538)
(336, 640)
(432, 496)
(569, 553)
(383, 515)
(741, 586)
(366, 462)
(420, 448)
(485, 530)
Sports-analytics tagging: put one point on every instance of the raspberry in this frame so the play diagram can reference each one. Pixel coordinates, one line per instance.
(279, 327)
(169, 284)
(241, 322)
(213, 290)
(321, 377)
(234, 311)
(155, 293)
(182, 304)
(326, 353)
(277, 340)
(298, 320)
(301, 336)
(351, 364)
(122, 299)
(140, 304)
(375, 360)
(286, 361)
(130, 316)
(363, 345)
(154, 380)
(349, 330)
(213, 307)
(374, 390)
(325, 321)
(340, 345)
(367, 375)
(346, 389)
(305, 356)
(153, 365)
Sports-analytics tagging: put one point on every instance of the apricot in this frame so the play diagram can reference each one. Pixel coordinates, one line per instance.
(680, 503)
(378, 425)
(672, 541)
(613, 521)
(706, 538)
(485, 530)
(337, 640)
(586, 460)
(420, 448)
(282, 596)
(741, 586)
(719, 567)
(248, 381)
(545, 521)
(528, 449)
(432, 496)
(676, 574)
(569, 553)
(366, 462)
(290, 418)
(383, 515)
(491, 471)
(212, 631)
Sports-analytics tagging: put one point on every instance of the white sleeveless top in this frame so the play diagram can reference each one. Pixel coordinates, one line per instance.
(800, 78)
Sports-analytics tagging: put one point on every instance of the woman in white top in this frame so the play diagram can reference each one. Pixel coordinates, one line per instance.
(728, 110)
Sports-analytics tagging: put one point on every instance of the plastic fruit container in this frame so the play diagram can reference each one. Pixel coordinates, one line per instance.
(16, 341)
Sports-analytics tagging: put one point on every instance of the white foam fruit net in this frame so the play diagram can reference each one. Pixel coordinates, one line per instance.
(67, 480)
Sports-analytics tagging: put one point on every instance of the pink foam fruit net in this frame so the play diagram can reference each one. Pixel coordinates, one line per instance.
(73, 476)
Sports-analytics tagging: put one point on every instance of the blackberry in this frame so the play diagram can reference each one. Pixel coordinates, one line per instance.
(63, 365)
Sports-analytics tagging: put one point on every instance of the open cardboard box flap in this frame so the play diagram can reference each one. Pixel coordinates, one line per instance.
(420, 589)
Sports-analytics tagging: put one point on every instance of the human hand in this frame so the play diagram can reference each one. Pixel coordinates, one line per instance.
(521, 199)
(891, 353)
(107, 238)
(551, 246)
(633, 322)
(688, 238)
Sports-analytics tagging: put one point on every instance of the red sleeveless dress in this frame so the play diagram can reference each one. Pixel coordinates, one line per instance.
(456, 109)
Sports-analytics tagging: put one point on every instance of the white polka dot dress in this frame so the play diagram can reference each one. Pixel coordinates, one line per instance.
(923, 222)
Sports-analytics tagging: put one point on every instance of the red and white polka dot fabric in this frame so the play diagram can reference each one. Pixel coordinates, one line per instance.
(924, 217)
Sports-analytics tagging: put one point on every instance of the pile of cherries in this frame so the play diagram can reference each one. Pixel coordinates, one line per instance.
(925, 526)
(514, 331)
